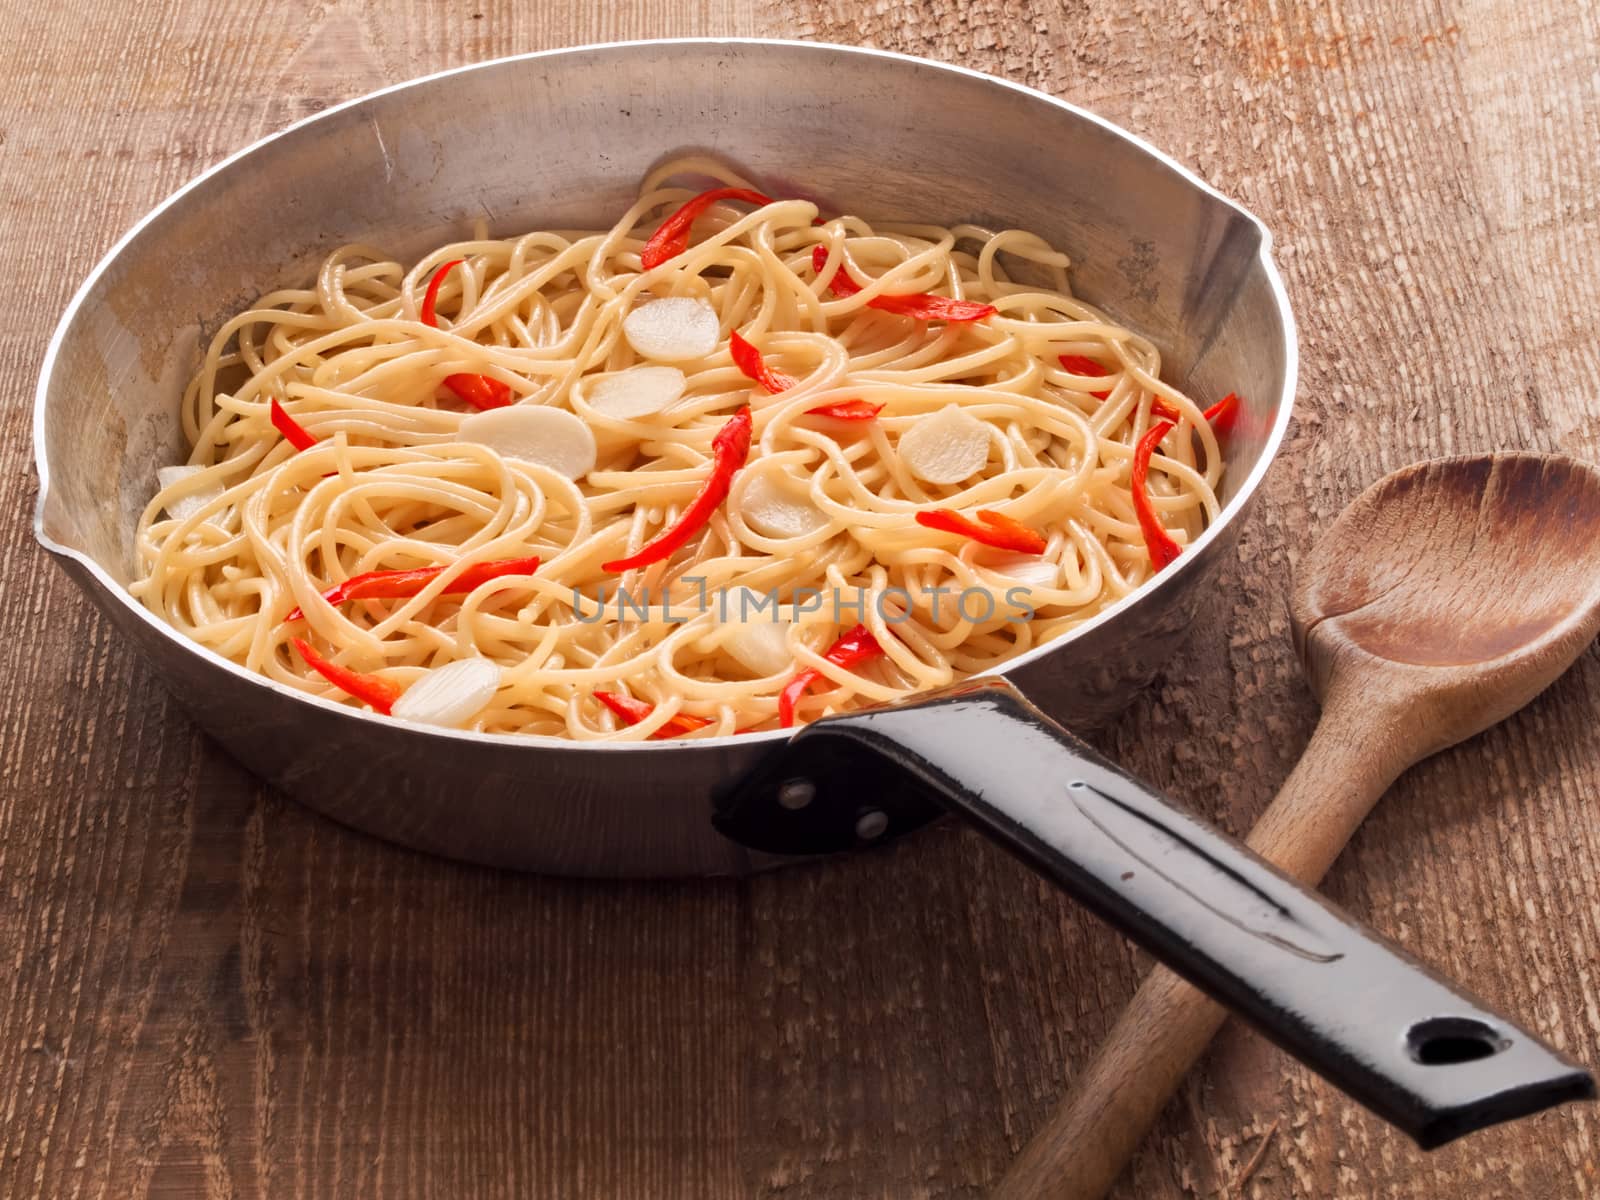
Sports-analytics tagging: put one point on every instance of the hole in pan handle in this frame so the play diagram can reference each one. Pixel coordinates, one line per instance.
(1352, 1006)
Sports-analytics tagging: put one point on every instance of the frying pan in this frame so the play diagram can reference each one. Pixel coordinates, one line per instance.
(560, 140)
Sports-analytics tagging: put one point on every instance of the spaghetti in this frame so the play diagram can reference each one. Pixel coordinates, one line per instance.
(518, 462)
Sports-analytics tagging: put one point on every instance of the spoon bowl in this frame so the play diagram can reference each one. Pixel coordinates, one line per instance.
(1465, 585)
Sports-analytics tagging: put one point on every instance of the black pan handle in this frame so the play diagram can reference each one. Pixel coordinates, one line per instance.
(1345, 1001)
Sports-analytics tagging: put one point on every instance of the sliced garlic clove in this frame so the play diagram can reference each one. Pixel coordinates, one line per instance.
(1029, 569)
(673, 329)
(754, 631)
(947, 447)
(450, 695)
(776, 506)
(182, 507)
(535, 433)
(637, 392)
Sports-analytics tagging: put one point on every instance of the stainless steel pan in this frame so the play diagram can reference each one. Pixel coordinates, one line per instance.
(561, 139)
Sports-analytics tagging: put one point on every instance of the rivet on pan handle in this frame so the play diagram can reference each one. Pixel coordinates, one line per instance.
(1349, 1004)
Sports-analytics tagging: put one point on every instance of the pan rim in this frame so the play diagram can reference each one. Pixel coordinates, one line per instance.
(544, 742)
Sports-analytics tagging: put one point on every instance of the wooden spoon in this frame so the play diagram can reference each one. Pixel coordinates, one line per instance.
(1447, 596)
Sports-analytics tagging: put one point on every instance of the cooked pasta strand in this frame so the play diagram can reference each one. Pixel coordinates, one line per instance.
(821, 518)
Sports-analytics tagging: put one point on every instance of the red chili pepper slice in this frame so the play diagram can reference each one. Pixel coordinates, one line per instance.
(920, 306)
(841, 284)
(1079, 365)
(672, 239)
(293, 432)
(480, 391)
(846, 410)
(728, 451)
(633, 711)
(431, 296)
(1223, 413)
(991, 529)
(1156, 539)
(857, 646)
(370, 689)
(928, 307)
(401, 585)
(748, 359)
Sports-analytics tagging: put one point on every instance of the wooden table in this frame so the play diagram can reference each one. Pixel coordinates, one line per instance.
(206, 991)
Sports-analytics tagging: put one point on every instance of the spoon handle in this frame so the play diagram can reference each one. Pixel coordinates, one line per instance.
(1091, 1135)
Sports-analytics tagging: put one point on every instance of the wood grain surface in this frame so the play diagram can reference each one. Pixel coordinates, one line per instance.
(207, 992)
